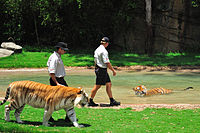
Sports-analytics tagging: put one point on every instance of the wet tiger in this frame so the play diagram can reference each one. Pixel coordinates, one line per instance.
(142, 91)
(38, 95)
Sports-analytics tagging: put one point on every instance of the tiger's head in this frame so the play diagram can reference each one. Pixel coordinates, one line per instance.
(140, 90)
(81, 99)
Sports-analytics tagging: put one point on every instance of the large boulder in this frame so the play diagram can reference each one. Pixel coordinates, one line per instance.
(5, 52)
(12, 46)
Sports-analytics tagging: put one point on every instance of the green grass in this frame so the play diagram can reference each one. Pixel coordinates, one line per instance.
(107, 120)
(170, 59)
(39, 59)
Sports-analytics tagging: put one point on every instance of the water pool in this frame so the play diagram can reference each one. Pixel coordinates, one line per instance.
(122, 84)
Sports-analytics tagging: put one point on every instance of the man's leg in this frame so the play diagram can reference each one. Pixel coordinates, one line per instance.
(108, 89)
(113, 102)
(94, 90)
(93, 93)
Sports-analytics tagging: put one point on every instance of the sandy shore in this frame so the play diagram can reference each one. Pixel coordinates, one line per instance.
(125, 68)
(140, 107)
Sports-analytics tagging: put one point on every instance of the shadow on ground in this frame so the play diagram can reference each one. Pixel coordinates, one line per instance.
(58, 123)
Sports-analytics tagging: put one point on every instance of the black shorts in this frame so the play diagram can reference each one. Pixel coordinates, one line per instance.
(60, 81)
(102, 76)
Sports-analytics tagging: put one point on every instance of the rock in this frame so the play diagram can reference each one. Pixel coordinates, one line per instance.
(12, 46)
(5, 52)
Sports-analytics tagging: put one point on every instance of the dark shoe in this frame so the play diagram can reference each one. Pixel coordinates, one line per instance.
(51, 119)
(91, 103)
(114, 103)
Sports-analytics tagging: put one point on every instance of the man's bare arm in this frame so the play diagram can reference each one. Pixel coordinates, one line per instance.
(111, 68)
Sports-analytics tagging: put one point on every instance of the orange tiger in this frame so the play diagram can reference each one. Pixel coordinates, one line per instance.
(142, 91)
(39, 95)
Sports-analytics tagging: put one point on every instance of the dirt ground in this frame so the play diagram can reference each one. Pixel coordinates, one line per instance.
(140, 107)
(135, 107)
(125, 68)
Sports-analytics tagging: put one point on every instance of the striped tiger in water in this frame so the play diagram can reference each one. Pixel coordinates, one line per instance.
(38, 95)
(141, 90)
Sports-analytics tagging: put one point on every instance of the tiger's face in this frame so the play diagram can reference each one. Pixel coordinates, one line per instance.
(140, 90)
(81, 99)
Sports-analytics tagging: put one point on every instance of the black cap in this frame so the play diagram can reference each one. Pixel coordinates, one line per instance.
(105, 39)
(62, 45)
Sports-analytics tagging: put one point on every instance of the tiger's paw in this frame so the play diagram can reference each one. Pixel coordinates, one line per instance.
(81, 126)
(46, 124)
(7, 118)
(7, 113)
(77, 125)
(20, 121)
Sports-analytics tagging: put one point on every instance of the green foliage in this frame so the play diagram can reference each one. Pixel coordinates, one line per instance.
(79, 22)
(195, 3)
(39, 59)
(11, 27)
(107, 120)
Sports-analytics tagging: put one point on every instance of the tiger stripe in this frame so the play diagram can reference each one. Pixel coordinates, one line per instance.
(142, 91)
(7, 95)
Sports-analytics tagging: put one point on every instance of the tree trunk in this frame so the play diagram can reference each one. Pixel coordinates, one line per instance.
(149, 35)
(36, 31)
(187, 7)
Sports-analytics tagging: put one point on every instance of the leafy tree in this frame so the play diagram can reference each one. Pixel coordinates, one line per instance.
(81, 23)
(11, 17)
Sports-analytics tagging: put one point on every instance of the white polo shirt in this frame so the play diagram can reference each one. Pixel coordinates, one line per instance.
(55, 65)
(101, 56)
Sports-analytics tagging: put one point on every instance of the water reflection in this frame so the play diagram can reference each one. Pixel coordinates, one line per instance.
(122, 84)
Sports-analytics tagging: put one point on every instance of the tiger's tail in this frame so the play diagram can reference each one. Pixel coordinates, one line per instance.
(188, 88)
(7, 96)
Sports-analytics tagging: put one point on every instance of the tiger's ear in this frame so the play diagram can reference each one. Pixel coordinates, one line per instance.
(135, 89)
(80, 91)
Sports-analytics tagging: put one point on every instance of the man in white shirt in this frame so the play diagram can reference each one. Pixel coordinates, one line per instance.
(102, 62)
(56, 68)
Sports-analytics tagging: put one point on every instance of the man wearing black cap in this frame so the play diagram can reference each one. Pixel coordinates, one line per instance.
(102, 78)
(56, 68)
